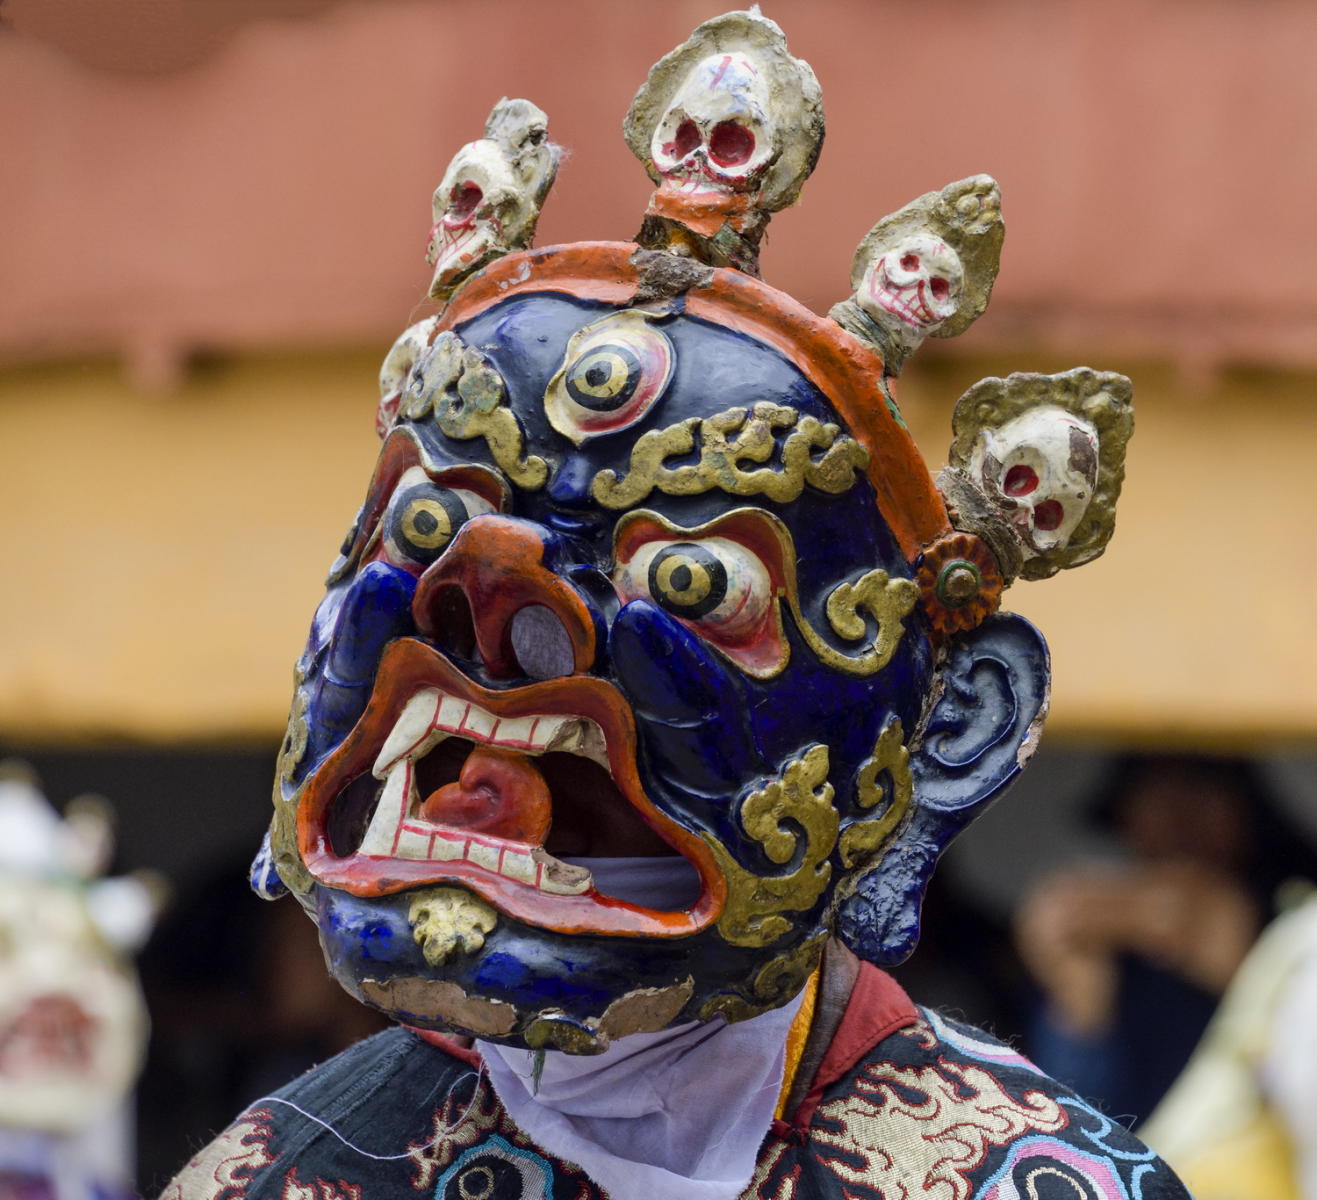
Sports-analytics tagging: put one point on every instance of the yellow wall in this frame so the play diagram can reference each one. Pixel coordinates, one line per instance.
(164, 553)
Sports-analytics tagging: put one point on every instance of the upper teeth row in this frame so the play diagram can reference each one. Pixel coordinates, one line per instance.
(430, 716)
(395, 833)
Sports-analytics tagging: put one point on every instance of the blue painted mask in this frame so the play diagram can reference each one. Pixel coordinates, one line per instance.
(650, 582)
(621, 586)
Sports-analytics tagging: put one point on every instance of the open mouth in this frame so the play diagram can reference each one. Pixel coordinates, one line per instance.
(444, 781)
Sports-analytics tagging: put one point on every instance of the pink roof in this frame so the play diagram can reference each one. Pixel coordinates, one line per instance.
(1156, 161)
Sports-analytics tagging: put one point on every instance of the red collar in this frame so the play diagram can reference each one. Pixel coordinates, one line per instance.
(877, 1008)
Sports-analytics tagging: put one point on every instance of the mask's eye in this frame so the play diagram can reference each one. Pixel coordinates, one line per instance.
(613, 372)
(423, 517)
(718, 587)
(604, 379)
(688, 579)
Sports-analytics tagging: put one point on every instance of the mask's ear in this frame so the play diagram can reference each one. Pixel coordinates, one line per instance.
(983, 728)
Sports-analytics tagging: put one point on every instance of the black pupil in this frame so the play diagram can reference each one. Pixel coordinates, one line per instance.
(688, 580)
(423, 519)
(605, 378)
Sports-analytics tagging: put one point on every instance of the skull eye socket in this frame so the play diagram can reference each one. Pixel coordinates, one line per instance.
(940, 288)
(1020, 480)
(612, 374)
(910, 262)
(686, 139)
(731, 144)
(423, 517)
(1048, 515)
(463, 202)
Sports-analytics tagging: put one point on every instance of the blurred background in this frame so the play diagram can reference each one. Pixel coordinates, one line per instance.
(212, 225)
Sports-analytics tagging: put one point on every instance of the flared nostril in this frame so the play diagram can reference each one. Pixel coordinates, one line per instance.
(492, 587)
(541, 644)
(453, 625)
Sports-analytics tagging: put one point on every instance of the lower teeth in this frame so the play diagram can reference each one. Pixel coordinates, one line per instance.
(394, 832)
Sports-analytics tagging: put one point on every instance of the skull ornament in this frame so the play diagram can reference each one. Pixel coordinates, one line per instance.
(397, 369)
(718, 135)
(1044, 463)
(489, 199)
(919, 281)
(1036, 466)
(729, 126)
(925, 270)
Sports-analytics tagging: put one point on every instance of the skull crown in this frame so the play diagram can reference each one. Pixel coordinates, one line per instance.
(729, 126)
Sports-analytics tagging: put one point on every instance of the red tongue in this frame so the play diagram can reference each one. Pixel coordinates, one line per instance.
(499, 792)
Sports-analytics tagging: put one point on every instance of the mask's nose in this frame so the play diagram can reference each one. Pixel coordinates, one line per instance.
(492, 590)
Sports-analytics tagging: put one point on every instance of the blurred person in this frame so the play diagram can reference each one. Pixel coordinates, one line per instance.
(1132, 956)
(1240, 1123)
(72, 1020)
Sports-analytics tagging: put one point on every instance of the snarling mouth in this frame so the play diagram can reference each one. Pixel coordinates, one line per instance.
(445, 781)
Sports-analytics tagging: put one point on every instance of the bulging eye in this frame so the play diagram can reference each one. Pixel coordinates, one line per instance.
(719, 587)
(605, 378)
(688, 579)
(423, 517)
(910, 262)
(612, 374)
(940, 288)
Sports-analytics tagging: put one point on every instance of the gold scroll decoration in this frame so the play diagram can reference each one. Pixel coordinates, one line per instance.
(889, 601)
(884, 775)
(468, 400)
(776, 983)
(793, 815)
(727, 440)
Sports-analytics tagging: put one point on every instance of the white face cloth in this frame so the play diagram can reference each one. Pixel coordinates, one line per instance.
(674, 1115)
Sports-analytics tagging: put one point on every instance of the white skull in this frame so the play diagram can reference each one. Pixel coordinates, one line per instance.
(919, 281)
(470, 211)
(717, 135)
(1044, 464)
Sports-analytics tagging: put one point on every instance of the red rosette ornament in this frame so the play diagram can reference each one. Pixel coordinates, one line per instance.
(960, 584)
